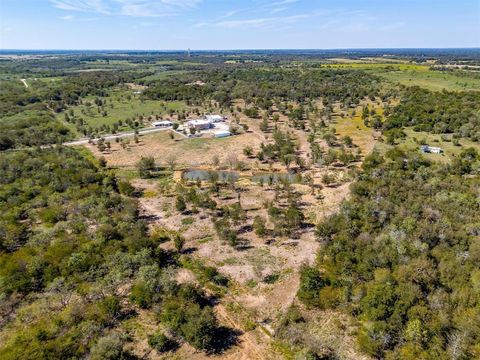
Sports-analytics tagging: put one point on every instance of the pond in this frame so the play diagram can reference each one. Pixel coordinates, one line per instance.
(208, 175)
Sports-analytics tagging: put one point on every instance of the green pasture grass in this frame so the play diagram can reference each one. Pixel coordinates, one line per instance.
(432, 80)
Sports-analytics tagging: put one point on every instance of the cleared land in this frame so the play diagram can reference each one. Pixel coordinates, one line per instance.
(122, 105)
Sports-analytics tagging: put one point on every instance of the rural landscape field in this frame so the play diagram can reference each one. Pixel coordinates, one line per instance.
(237, 204)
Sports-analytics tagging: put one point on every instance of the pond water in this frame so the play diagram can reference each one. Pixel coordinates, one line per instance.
(206, 175)
(227, 176)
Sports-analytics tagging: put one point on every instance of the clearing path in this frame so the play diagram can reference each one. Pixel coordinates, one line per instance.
(24, 81)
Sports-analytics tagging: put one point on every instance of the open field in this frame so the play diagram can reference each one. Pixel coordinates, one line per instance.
(433, 80)
(378, 66)
(353, 126)
(188, 152)
(161, 75)
(411, 74)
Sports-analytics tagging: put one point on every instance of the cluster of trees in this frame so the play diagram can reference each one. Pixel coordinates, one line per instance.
(438, 112)
(32, 128)
(69, 241)
(189, 199)
(282, 149)
(403, 256)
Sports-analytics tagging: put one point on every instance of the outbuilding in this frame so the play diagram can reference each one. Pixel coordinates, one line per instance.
(222, 133)
(431, 149)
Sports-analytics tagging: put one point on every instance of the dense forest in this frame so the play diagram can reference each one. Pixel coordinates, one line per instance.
(70, 242)
(403, 255)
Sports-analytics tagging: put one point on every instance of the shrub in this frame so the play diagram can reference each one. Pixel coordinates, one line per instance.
(161, 342)
(109, 347)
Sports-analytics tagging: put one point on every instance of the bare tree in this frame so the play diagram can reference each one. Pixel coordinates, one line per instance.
(171, 160)
(215, 160)
(232, 160)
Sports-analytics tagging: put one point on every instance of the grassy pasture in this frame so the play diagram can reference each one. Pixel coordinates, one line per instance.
(432, 80)
(379, 66)
(414, 74)
(160, 75)
(354, 127)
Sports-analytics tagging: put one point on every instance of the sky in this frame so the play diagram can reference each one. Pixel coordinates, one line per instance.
(238, 24)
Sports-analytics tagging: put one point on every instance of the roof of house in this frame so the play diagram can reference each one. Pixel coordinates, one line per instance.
(198, 122)
(163, 122)
(214, 117)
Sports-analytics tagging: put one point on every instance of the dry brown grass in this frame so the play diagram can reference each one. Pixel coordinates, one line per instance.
(187, 151)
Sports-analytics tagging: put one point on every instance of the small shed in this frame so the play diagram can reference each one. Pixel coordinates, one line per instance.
(431, 149)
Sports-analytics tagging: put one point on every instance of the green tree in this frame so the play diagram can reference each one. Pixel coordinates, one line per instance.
(145, 166)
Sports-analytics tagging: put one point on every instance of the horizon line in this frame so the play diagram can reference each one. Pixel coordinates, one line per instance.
(247, 49)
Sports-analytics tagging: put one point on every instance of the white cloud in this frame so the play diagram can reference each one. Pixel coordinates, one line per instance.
(279, 9)
(257, 22)
(67, 17)
(81, 5)
(284, 2)
(136, 8)
(229, 14)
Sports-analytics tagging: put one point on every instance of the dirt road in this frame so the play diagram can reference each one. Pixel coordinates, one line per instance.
(121, 135)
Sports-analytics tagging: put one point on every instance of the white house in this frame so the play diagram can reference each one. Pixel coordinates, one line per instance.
(163, 123)
(199, 124)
